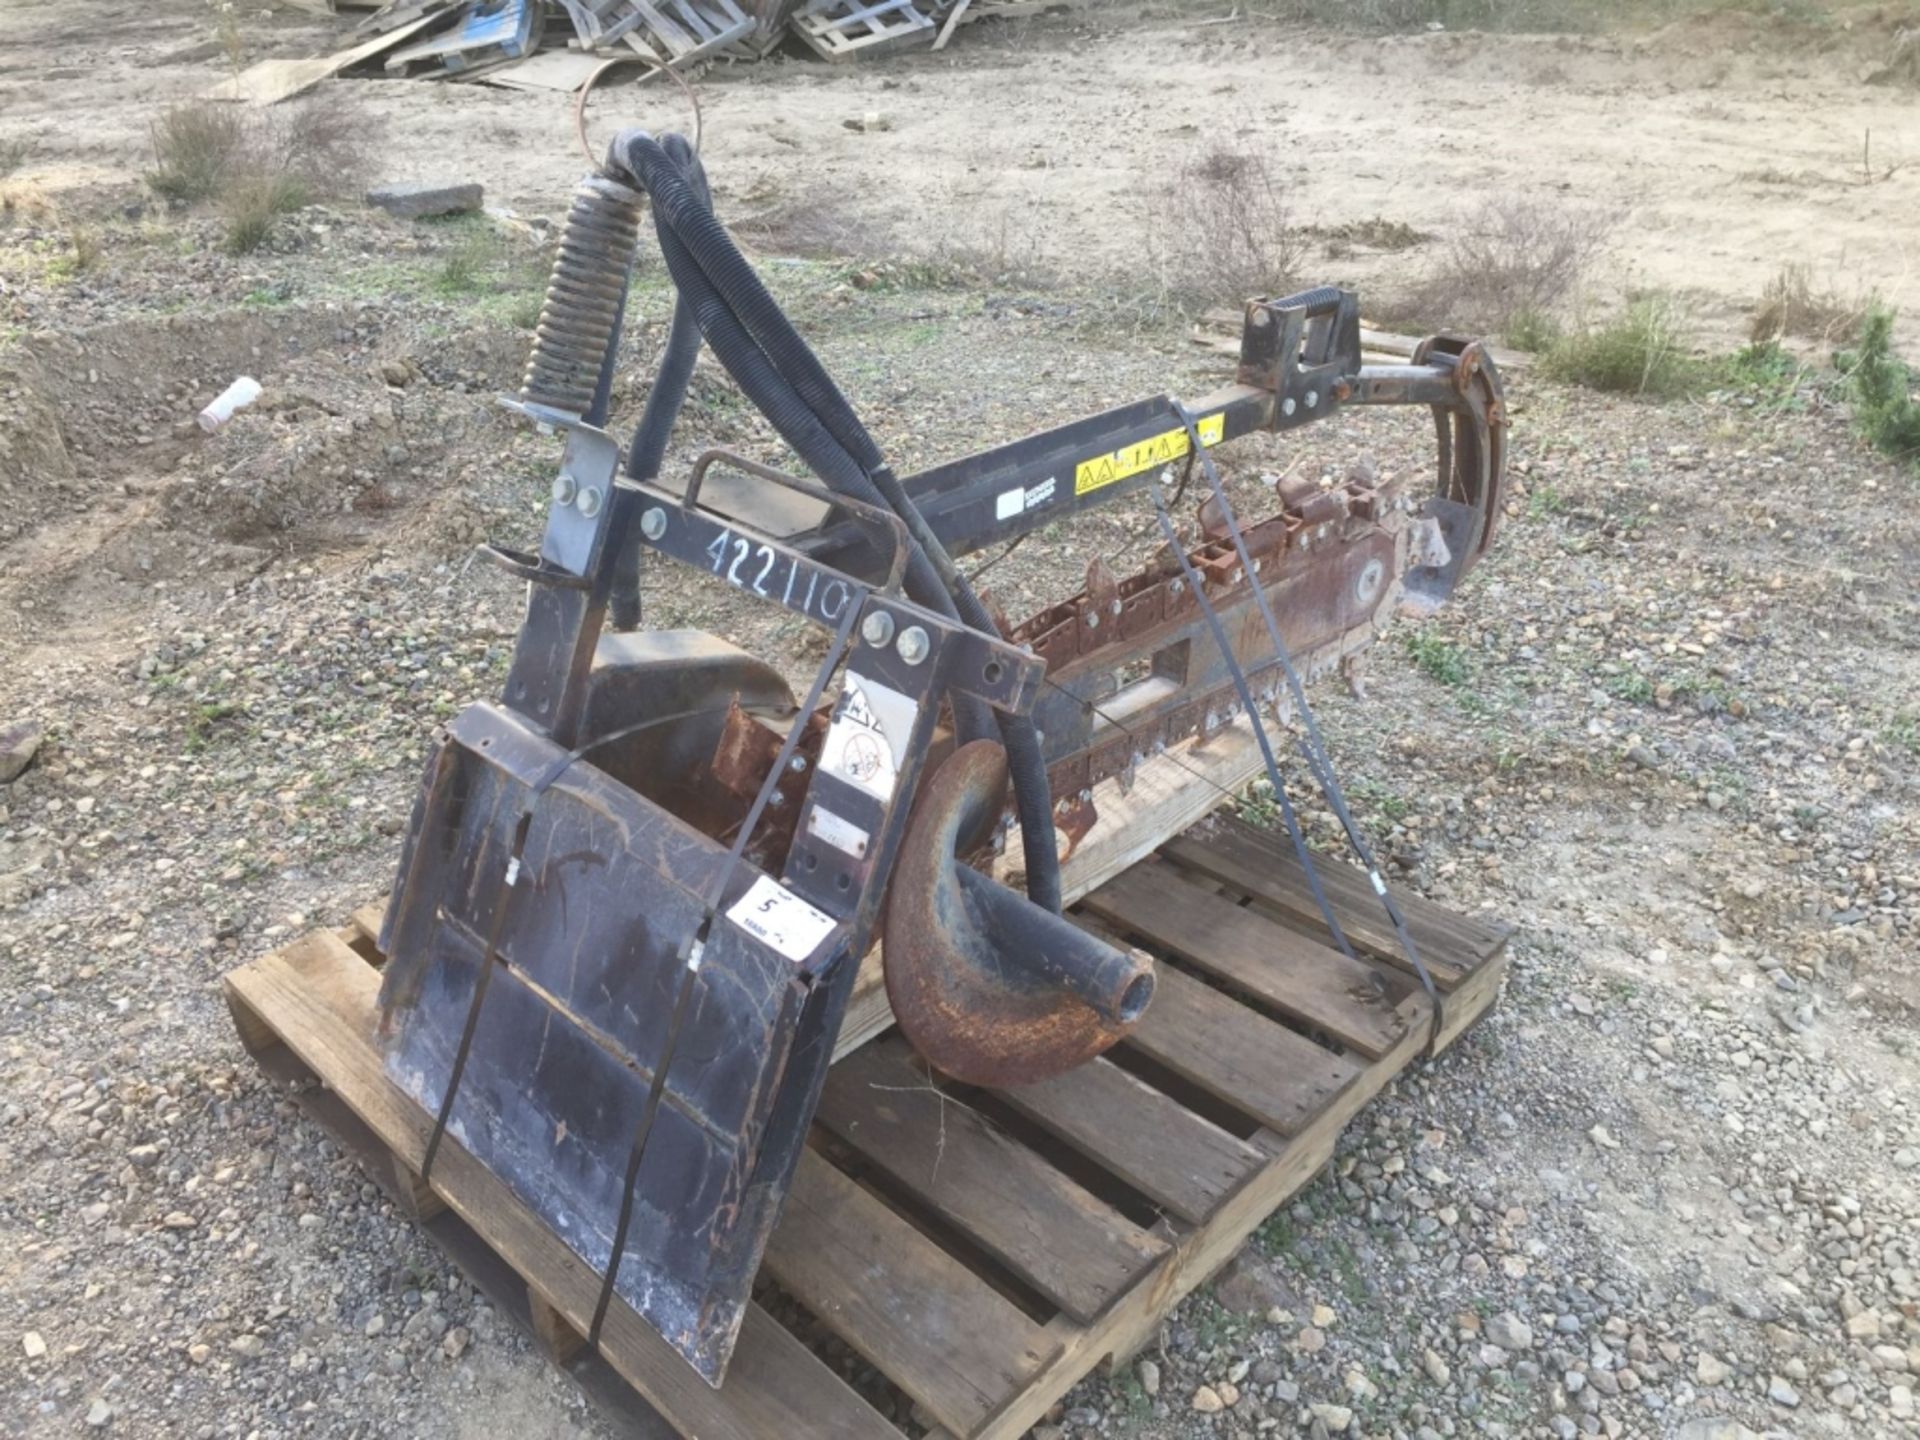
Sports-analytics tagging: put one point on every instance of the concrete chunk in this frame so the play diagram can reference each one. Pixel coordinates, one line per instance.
(415, 202)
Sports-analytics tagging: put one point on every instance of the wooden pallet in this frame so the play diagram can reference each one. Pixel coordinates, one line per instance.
(862, 29)
(981, 1251)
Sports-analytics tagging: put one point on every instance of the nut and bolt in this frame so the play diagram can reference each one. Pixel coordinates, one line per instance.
(913, 645)
(798, 765)
(653, 524)
(1287, 406)
(587, 502)
(564, 489)
(877, 630)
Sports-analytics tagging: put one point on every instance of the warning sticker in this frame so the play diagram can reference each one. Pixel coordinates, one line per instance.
(774, 914)
(868, 738)
(1145, 455)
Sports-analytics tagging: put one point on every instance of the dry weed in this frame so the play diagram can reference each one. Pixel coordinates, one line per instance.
(1230, 238)
(1789, 305)
(257, 165)
(196, 148)
(1507, 263)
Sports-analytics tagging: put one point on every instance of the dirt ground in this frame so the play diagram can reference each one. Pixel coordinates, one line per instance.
(1721, 147)
(1670, 729)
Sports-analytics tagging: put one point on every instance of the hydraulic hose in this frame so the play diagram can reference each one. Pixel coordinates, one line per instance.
(780, 373)
(649, 447)
(677, 207)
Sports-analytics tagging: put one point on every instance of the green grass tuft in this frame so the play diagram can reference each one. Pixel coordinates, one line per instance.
(1882, 384)
(1438, 657)
(1641, 352)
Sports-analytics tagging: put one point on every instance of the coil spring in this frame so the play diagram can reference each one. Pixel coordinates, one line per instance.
(584, 295)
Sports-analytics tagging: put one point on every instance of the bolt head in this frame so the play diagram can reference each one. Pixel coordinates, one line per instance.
(913, 646)
(587, 502)
(564, 489)
(1313, 398)
(653, 524)
(877, 628)
(1287, 406)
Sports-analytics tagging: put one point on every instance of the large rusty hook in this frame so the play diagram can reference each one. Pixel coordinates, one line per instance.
(991, 988)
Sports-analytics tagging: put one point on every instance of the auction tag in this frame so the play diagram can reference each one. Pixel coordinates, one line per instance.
(774, 914)
(867, 741)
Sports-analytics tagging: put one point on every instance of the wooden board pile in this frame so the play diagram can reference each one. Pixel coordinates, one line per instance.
(557, 44)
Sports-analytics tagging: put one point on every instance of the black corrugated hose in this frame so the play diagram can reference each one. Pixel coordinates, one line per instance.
(649, 447)
(780, 373)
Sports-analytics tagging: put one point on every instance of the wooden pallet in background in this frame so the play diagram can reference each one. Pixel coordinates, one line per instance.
(862, 29)
(982, 1251)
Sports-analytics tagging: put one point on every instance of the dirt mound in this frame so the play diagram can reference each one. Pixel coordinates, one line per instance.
(108, 485)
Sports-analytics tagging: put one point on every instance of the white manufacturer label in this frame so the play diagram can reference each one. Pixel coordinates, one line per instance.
(868, 738)
(1009, 503)
(838, 831)
(772, 913)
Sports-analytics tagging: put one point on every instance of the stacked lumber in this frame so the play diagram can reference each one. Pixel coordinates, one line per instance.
(557, 44)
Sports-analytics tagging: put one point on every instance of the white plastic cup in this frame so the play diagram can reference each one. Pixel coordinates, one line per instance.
(237, 396)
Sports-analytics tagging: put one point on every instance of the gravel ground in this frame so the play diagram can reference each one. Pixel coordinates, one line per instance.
(1669, 730)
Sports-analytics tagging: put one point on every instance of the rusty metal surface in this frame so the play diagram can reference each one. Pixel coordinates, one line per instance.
(990, 988)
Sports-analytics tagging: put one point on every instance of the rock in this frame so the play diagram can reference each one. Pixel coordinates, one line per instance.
(1323, 1317)
(1311, 1340)
(454, 1345)
(1709, 1369)
(1864, 1326)
(179, 1220)
(199, 1354)
(1335, 1417)
(99, 1414)
(33, 1345)
(1149, 1374)
(1250, 1286)
(1603, 1137)
(1437, 1369)
(19, 743)
(1714, 1427)
(1207, 1400)
(1510, 1332)
(1644, 758)
(1900, 1401)
(1781, 1392)
(247, 1347)
(415, 202)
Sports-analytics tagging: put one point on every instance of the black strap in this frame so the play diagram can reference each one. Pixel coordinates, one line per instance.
(1312, 744)
(1253, 713)
(503, 899)
(689, 957)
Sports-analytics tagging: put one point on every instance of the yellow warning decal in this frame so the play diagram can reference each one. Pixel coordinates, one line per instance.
(1145, 455)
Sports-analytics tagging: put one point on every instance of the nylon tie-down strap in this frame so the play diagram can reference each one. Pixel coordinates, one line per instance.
(688, 955)
(1312, 744)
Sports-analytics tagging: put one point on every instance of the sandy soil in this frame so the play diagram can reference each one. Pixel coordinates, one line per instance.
(1722, 148)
